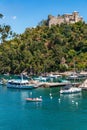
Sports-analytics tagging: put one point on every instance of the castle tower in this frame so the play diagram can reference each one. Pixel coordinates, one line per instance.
(76, 16)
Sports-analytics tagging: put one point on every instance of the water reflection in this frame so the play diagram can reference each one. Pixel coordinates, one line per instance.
(71, 96)
(24, 95)
(71, 99)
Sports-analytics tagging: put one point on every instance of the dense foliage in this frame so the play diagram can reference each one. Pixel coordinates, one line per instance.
(47, 49)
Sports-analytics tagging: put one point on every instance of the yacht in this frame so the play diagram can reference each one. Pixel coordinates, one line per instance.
(73, 76)
(70, 89)
(25, 84)
(54, 76)
(20, 84)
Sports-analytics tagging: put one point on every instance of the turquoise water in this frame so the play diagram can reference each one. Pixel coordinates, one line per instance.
(55, 112)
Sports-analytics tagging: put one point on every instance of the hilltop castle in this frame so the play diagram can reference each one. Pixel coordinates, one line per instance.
(66, 18)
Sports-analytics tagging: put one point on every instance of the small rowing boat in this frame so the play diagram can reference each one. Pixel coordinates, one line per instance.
(33, 99)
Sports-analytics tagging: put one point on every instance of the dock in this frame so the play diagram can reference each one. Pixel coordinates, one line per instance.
(55, 84)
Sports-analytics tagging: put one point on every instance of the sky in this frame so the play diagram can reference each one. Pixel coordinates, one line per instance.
(22, 14)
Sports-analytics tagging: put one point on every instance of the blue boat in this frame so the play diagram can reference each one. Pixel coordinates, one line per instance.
(20, 84)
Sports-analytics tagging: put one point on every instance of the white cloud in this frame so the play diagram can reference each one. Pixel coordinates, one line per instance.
(14, 17)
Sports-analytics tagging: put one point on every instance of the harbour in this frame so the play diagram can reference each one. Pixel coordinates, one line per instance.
(56, 111)
(45, 101)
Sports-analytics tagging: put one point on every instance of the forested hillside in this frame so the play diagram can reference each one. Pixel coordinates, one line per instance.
(47, 49)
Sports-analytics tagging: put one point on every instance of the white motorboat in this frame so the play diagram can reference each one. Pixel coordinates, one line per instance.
(41, 79)
(73, 76)
(54, 76)
(70, 89)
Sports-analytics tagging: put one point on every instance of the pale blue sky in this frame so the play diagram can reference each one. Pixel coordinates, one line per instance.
(20, 14)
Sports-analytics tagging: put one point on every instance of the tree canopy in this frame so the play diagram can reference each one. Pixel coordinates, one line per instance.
(42, 48)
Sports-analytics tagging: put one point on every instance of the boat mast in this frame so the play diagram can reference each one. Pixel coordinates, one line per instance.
(22, 77)
(74, 71)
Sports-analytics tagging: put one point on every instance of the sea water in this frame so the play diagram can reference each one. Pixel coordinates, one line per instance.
(55, 112)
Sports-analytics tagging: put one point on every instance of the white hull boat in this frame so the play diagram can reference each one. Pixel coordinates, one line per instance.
(70, 90)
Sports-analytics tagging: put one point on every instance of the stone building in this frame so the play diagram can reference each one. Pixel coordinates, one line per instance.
(66, 18)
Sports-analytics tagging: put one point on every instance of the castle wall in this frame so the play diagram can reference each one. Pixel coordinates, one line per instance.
(66, 18)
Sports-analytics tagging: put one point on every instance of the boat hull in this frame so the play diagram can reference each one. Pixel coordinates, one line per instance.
(71, 91)
(33, 99)
(18, 84)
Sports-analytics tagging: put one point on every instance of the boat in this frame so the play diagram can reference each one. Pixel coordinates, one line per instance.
(84, 85)
(70, 90)
(63, 81)
(20, 84)
(55, 76)
(72, 77)
(41, 79)
(33, 99)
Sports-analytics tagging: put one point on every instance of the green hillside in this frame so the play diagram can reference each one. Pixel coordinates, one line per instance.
(47, 49)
